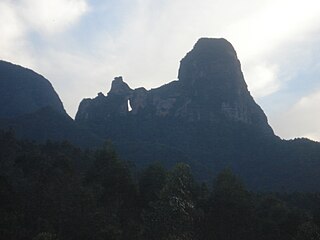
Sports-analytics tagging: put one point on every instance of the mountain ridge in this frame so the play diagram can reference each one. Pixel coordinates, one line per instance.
(207, 118)
(194, 87)
(203, 118)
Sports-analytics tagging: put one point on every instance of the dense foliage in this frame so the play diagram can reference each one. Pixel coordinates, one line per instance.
(55, 191)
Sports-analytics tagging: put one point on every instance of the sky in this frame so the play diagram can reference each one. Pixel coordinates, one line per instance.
(81, 45)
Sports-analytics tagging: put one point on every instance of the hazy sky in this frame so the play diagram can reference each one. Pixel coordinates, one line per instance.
(81, 45)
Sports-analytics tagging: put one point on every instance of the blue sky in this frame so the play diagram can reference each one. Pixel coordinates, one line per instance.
(81, 45)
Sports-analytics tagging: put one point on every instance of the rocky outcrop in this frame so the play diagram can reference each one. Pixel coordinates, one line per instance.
(210, 88)
(119, 87)
(206, 118)
(211, 76)
(23, 91)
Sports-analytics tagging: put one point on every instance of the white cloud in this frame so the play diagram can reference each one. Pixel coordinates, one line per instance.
(10, 26)
(18, 19)
(261, 35)
(301, 120)
(46, 18)
(279, 21)
(263, 79)
(75, 76)
(51, 16)
(12, 31)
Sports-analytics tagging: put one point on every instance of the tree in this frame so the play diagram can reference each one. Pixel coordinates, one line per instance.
(111, 182)
(151, 182)
(45, 236)
(172, 216)
(231, 210)
(308, 231)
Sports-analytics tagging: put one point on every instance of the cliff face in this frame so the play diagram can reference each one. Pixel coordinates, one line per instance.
(204, 118)
(211, 88)
(23, 91)
(212, 76)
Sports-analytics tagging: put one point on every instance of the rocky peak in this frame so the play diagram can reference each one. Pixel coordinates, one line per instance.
(213, 48)
(119, 87)
(212, 67)
(211, 77)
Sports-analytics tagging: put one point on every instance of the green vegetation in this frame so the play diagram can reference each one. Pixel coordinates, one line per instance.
(55, 191)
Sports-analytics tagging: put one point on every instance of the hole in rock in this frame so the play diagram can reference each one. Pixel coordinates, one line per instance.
(129, 106)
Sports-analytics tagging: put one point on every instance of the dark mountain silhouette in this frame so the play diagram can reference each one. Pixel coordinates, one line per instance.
(206, 118)
(31, 107)
(210, 89)
(24, 91)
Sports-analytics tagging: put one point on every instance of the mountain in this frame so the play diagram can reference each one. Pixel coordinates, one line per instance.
(211, 88)
(24, 91)
(31, 107)
(206, 118)
(215, 88)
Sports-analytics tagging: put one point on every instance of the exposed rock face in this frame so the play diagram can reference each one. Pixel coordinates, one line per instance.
(206, 116)
(210, 87)
(24, 91)
(211, 75)
(119, 87)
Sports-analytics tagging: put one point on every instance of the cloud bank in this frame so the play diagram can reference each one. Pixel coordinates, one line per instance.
(301, 117)
(22, 19)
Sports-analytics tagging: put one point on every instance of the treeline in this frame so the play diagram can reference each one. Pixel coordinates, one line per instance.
(55, 191)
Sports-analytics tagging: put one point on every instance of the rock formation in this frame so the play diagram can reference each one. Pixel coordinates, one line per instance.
(204, 116)
(24, 91)
(210, 87)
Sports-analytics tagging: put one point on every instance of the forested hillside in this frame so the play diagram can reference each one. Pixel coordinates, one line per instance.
(59, 192)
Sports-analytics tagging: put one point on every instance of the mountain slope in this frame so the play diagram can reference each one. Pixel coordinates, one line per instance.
(24, 91)
(31, 107)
